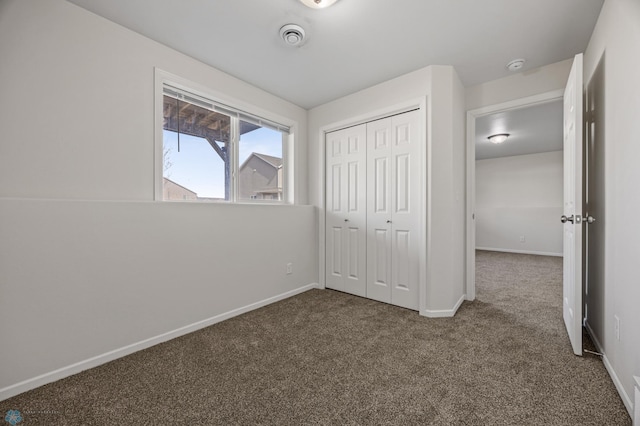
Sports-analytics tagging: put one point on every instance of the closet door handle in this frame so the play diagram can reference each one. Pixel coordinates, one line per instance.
(388, 221)
(565, 219)
(346, 220)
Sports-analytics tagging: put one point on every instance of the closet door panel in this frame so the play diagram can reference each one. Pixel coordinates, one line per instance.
(406, 196)
(380, 204)
(353, 187)
(402, 183)
(334, 259)
(346, 210)
(334, 272)
(356, 214)
(379, 210)
(401, 259)
(379, 265)
(355, 282)
(335, 201)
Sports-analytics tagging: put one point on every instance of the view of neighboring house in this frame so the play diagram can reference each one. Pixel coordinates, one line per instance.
(174, 191)
(260, 178)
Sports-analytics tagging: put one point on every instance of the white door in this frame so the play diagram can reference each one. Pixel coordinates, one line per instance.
(406, 200)
(572, 218)
(379, 210)
(346, 210)
(393, 218)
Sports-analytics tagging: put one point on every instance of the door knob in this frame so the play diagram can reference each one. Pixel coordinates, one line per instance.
(565, 219)
(346, 220)
(388, 221)
(577, 219)
(590, 219)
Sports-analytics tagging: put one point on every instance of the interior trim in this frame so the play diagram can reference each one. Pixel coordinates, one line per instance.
(626, 399)
(443, 313)
(537, 253)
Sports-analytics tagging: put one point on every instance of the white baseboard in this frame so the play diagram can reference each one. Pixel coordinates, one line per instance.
(95, 361)
(538, 253)
(636, 404)
(443, 313)
(614, 377)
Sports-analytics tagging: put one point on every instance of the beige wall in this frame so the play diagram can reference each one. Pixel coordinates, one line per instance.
(616, 41)
(520, 196)
(81, 263)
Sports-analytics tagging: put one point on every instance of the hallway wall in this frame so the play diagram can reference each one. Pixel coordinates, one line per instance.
(520, 196)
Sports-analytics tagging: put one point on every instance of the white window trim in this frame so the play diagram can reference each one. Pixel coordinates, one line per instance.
(162, 78)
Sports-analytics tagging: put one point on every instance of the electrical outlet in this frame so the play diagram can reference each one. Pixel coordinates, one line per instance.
(289, 268)
(616, 326)
(522, 239)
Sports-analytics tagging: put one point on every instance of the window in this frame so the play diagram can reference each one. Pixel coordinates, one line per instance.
(213, 152)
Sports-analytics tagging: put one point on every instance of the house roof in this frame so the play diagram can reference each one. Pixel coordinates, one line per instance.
(274, 161)
(181, 186)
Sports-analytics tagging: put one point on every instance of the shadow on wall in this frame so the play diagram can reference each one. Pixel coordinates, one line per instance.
(594, 247)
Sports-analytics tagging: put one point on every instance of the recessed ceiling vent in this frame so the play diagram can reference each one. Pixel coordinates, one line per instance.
(515, 65)
(318, 4)
(292, 34)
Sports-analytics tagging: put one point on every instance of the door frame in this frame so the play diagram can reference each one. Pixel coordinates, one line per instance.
(472, 115)
(420, 103)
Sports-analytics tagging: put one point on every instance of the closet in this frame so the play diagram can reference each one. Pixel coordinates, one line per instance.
(374, 195)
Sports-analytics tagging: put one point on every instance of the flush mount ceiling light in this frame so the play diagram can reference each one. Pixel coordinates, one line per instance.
(498, 138)
(515, 65)
(292, 34)
(318, 4)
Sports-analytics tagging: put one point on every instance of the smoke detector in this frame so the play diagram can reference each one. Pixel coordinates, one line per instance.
(515, 65)
(292, 34)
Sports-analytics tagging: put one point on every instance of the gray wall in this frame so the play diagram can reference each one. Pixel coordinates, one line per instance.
(520, 196)
(90, 266)
(615, 44)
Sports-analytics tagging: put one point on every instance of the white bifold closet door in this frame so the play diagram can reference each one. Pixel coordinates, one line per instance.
(393, 206)
(346, 218)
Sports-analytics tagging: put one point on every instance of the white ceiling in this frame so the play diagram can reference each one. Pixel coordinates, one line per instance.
(358, 43)
(532, 130)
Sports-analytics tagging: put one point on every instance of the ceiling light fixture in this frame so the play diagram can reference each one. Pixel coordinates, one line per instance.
(498, 138)
(318, 4)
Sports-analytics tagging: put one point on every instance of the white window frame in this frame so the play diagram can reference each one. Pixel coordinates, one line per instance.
(163, 78)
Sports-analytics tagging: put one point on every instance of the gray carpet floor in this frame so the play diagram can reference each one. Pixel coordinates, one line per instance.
(324, 357)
